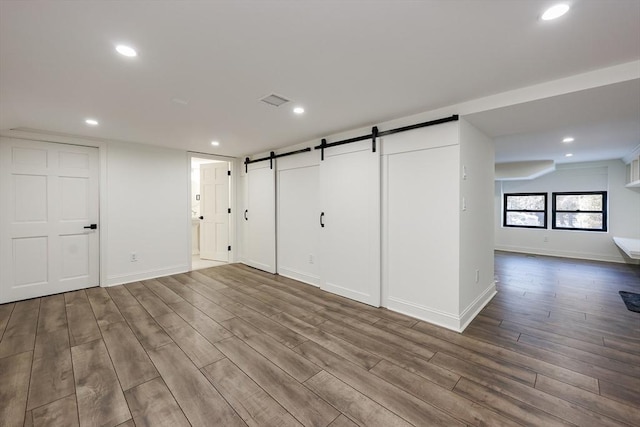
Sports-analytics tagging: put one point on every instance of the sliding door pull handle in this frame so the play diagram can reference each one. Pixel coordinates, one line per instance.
(321, 217)
(245, 215)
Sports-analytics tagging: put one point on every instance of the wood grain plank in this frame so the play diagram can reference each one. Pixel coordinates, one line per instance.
(199, 350)
(282, 356)
(62, 412)
(250, 401)
(52, 314)
(332, 343)
(83, 327)
(199, 400)
(14, 385)
(620, 393)
(352, 403)
(51, 372)
(100, 398)
(343, 421)
(454, 404)
(165, 294)
(131, 362)
(553, 405)
(207, 327)
(611, 408)
(154, 305)
(152, 405)
(505, 405)
(5, 314)
(304, 405)
(103, 307)
(20, 333)
(411, 408)
(214, 311)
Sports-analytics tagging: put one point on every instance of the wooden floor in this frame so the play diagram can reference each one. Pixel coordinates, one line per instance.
(233, 346)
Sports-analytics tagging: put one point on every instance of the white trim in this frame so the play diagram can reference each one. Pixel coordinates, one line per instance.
(469, 313)
(302, 277)
(562, 254)
(120, 279)
(427, 314)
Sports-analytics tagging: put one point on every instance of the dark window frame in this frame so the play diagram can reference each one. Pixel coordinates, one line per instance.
(505, 210)
(604, 211)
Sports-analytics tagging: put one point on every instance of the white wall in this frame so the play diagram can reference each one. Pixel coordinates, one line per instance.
(624, 213)
(147, 212)
(476, 234)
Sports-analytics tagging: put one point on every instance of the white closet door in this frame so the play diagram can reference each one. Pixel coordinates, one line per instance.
(261, 217)
(49, 199)
(350, 238)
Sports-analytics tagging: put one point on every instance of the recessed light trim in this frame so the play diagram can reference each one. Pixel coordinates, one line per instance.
(298, 110)
(555, 11)
(569, 155)
(125, 50)
(215, 143)
(91, 122)
(568, 139)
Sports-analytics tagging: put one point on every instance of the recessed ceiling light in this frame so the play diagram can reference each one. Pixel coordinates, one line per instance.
(568, 155)
(298, 110)
(91, 122)
(215, 143)
(126, 50)
(568, 139)
(555, 11)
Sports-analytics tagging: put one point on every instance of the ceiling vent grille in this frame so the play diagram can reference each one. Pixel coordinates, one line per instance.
(275, 100)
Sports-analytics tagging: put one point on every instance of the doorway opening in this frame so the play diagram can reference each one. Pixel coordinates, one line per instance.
(210, 211)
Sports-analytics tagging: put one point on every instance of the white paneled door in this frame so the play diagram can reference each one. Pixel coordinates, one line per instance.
(49, 197)
(214, 210)
(260, 217)
(350, 222)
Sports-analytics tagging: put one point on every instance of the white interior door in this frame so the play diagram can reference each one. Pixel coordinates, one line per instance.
(350, 237)
(214, 211)
(49, 196)
(261, 217)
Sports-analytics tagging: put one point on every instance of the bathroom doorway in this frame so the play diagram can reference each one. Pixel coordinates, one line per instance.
(210, 211)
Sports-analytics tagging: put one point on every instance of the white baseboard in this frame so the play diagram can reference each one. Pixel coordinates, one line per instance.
(144, 275)
(298, 275)
(450, 321)
(564, 254)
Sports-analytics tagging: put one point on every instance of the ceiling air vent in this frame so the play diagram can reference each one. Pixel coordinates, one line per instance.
(274, 100)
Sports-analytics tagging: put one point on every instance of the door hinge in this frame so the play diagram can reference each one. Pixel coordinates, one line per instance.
(229, 173)
(229, 210)
(228, 248)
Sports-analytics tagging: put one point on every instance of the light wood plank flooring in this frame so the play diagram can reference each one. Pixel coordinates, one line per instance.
(233, 346)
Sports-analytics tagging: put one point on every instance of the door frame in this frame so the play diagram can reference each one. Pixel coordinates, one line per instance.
(232, 202)
(102, 179)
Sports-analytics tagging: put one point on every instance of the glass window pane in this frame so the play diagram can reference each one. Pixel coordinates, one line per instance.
(533, 203)
(582, 202)
(527, 219)
(589, 221)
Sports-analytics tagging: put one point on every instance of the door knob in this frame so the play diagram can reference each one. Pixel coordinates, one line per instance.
(201, 217)
(92, 226)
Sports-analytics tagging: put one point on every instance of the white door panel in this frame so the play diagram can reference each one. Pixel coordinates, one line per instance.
(350, 238)
(49, 194)
(261, 217)
(214, 208)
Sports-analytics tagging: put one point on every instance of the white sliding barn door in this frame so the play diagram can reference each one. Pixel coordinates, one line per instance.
(214, 211)
(298, 217)
(49, 199)
(350, 238)
(260, 217)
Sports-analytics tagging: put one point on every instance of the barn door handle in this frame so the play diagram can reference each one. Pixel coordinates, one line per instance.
(321, 217)
(92, 226)
(245, 214)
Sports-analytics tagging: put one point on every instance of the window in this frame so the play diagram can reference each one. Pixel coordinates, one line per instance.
(580, 211)
(528, 210)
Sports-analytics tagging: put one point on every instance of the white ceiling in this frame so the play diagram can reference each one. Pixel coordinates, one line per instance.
(349, 63)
